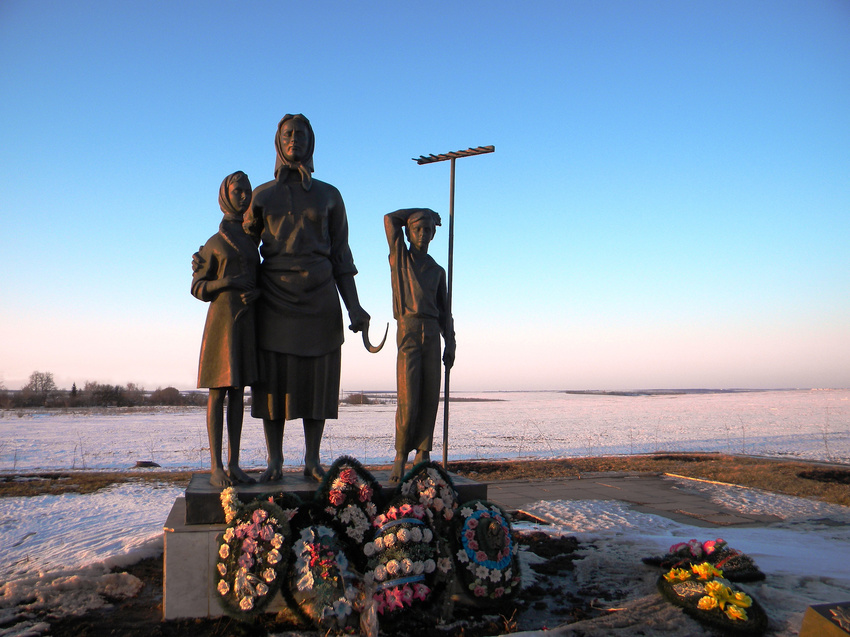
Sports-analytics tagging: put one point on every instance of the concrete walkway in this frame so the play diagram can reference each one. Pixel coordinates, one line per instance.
(647, 493)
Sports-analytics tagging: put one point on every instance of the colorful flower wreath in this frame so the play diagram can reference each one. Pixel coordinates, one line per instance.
(704, 594)
(403, 565)
(251, 558)
(486, 558)
(322, 587)
(348, 496)
(429, 483)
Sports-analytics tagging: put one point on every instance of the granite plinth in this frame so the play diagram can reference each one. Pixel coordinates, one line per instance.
(826, 620)
(203, 503)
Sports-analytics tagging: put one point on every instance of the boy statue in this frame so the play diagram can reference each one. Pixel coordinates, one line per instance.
(420, 310)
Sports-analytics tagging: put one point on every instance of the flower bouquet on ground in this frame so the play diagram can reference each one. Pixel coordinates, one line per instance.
(347, 495)
(486, 555)
(737, 566)
(322, 588)
(251, 558)
(404, 569)
(429, 483)
(704, 594)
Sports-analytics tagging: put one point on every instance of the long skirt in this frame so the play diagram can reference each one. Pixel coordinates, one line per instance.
(293, 387)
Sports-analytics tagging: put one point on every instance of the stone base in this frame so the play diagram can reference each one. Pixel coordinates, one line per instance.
(191, 548)
(826, 620)
(203, 503)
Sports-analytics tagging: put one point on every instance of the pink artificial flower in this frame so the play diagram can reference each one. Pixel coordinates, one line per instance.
(249, 545)
(709, 547)
(348, 475)
(469, 535)
(407, 594)
(472, 524)
(365, 493)
(678, 547)
(418, 511)
(405, 509)
(380, 603)
(245, 560)
(379, 520)
(480, 556)
(266, 532)
(336, 497)
(480, 591)
(499, 591)
(420, 592)
(394, 599)
(695, 547)
(259, 516)
(473, 545)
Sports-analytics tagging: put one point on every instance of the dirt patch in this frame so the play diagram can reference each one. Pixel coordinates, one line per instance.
(835, 476)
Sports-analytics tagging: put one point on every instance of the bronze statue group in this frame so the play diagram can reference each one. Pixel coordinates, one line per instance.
(275, 324)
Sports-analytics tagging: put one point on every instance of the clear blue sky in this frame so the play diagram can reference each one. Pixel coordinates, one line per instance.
(668, 204)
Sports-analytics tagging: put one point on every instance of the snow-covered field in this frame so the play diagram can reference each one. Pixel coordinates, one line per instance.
(799, 424)
(56, 550)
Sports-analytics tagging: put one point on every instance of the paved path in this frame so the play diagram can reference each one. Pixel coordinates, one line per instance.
(648, 493)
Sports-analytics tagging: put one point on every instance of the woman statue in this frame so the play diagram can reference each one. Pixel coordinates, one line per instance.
(302, 228)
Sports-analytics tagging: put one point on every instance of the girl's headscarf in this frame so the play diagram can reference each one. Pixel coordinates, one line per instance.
(223, 198)
(305, 167)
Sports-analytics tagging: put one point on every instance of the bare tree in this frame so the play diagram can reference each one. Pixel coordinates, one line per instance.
(41, 383)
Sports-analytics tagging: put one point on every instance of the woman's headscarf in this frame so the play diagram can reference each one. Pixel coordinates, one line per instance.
(223, 193)
(304, 167)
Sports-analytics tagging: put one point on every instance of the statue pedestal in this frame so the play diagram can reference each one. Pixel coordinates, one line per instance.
(191, 532)
(826, 620)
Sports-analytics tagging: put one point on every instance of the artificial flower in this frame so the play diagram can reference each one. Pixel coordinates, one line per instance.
(420, 591)
(223, 587)
(677, 575)
(707, 603)
(392, 567)
(394, 599)
(706, 571)
(740, 598)
(736, 612)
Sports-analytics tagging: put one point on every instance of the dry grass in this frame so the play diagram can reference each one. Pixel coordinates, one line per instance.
(49, 483)
(831, 483)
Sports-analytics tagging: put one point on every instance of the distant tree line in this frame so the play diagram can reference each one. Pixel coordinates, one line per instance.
(41, 391)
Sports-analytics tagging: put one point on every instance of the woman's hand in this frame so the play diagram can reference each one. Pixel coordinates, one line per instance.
(359, 319)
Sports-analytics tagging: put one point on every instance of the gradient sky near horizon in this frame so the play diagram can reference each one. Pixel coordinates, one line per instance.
(668, 205)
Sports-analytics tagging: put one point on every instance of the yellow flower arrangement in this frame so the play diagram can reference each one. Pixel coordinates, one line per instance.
(718, 595)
